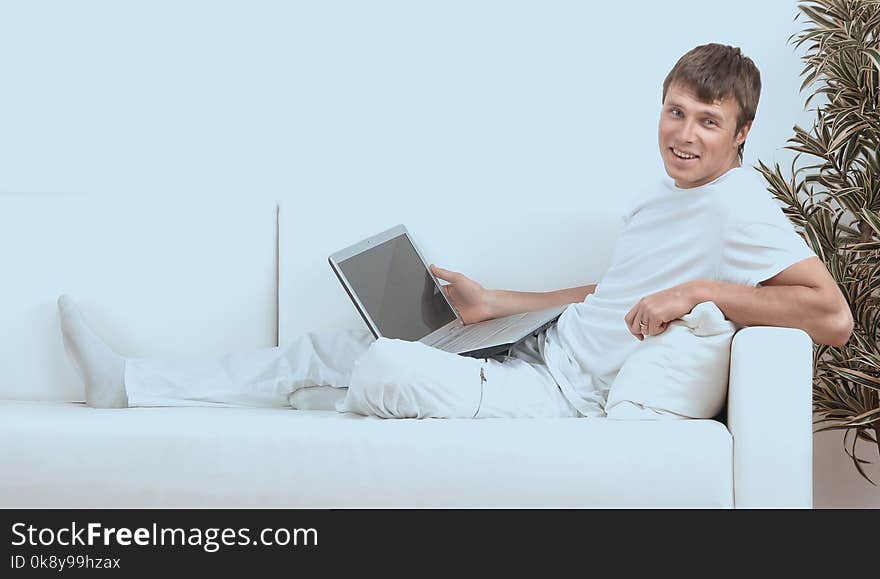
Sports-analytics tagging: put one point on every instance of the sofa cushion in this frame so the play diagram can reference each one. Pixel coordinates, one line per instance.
(69, 455)
(680, 373)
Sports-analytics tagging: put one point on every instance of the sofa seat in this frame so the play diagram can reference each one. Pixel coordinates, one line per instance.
(59, 454)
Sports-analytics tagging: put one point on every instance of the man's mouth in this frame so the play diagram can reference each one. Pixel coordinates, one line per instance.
(683, 155)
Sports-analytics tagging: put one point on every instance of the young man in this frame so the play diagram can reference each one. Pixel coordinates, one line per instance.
(709, 232)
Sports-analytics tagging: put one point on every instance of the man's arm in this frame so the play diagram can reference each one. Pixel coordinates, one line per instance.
(475, 303)
(507, 302)
(802, 296)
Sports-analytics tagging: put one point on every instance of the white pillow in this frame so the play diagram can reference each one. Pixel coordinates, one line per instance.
(681, 373)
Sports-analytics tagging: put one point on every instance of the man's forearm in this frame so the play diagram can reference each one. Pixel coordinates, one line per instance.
(506, 302)
(777, 305)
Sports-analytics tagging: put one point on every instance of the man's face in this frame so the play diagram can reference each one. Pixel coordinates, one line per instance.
(702, 132)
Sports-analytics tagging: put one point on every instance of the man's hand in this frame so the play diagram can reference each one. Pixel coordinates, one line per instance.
(652, 313)
(469, 298)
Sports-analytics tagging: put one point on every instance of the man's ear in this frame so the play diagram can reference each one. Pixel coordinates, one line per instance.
(743, 133)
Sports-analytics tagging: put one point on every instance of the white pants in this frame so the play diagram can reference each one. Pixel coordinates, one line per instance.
(350, 371)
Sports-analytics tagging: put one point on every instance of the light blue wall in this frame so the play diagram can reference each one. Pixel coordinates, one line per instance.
(468, 121)
(404, 100)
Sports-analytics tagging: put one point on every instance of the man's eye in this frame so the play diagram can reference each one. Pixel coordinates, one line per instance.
(710, 121)
(675, 112)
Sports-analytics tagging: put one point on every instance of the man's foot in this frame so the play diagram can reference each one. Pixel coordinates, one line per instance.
(101, 368)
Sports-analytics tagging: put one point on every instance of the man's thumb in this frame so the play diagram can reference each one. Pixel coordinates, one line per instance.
(441, 273)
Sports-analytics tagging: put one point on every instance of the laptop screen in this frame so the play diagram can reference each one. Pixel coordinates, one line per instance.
(397, 291)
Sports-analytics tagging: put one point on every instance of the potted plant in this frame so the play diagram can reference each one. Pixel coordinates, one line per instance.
(834, 203)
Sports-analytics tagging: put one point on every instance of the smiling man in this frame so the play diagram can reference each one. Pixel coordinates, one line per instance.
(708, 232)
(709, 103)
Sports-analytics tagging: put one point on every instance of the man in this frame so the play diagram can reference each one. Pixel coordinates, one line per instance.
(709, 232)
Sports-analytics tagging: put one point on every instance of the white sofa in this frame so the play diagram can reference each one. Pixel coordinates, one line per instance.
(146, 293)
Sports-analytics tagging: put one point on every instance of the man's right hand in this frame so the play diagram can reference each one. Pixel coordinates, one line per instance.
(469, 298)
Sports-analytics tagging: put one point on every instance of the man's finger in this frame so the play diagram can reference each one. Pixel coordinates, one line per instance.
(634, 328)
(443, 274)
(629, 315)
(641, 331)
(655, 327)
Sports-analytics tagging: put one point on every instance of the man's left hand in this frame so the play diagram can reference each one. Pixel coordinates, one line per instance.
(651, 314)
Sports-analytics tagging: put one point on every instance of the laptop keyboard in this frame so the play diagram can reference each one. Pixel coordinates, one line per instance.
(471, 336)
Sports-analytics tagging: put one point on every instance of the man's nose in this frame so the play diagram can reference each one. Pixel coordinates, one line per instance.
(688, 131)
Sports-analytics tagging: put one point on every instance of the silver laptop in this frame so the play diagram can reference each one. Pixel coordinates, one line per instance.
(396, 294)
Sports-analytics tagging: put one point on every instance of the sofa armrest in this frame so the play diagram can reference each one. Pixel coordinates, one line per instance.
(769, 415)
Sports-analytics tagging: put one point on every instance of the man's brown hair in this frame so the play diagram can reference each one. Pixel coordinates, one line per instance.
(717, 71)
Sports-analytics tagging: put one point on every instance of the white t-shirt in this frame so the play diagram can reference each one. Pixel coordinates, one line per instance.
(731, 230)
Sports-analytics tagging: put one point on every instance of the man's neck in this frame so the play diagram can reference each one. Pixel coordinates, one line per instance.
(735, 165)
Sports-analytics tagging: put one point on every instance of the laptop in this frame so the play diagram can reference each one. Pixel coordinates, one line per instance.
(397, 296)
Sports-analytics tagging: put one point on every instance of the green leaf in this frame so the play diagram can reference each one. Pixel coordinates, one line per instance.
(819, 17)
(872, 218)
(858, 377)
(874, 55)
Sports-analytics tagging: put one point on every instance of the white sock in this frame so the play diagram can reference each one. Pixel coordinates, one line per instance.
(101, 369)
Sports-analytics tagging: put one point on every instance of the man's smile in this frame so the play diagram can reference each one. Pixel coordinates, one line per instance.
(683, 155)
